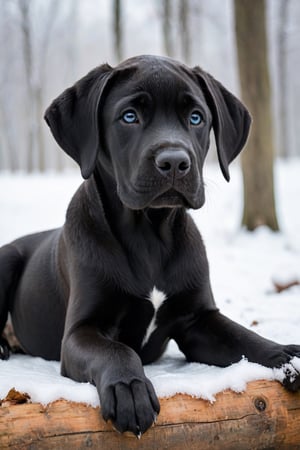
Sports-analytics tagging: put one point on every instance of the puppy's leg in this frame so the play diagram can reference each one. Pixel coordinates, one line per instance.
(11, 264)
(212, 338)
(127, 397)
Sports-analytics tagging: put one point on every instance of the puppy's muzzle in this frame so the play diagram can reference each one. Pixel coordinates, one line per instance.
(173, 163)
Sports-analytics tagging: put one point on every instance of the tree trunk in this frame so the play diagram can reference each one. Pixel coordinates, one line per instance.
(40, 144)
(35, 58)
(9, 151)
(167, 28)
(284, 144)
(7, 141)
(184, 30)
(257, 160)
(118, 29)
(24, 6)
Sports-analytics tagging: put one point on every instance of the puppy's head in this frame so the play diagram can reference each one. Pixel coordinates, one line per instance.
(147, 122)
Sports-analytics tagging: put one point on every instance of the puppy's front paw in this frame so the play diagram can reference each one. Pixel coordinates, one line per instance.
(289, 373)
(131, 407)
(291, 380)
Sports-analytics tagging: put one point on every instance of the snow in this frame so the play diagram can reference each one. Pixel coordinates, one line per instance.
(243, 266)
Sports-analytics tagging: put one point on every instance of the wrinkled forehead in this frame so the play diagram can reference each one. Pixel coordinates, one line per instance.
(168, 80)
(164, 79)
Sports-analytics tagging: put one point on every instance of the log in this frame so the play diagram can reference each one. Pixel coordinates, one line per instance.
(264, 416)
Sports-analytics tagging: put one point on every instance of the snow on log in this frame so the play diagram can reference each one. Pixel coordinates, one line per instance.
(264, 416)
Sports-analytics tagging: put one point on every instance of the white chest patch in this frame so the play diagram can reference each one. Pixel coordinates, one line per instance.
(157, 298)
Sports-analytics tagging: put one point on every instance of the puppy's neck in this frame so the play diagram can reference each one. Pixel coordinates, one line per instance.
(121, 218)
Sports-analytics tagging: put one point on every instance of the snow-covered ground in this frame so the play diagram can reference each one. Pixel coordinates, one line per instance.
(243, 268)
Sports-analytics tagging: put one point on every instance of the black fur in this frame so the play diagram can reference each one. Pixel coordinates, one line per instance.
(81, 293)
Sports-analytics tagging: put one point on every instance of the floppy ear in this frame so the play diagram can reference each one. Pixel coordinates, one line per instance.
(231, 119)
(73, 118)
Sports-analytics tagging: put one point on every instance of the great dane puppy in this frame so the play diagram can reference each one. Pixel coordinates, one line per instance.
(128, 270)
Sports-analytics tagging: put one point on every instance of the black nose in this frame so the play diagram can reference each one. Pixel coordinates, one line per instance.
(173, 163)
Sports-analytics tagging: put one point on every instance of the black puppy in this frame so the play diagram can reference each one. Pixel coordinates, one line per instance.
(128, 270)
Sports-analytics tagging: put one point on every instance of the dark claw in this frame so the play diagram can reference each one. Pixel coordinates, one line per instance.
(138, 433)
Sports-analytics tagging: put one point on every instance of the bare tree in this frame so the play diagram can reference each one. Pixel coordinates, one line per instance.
(184, 30)
(41, 78)
(8, 150)
(282, 73)
(167, 28)
(35, 50)
(26, 39)
(257, 160)
(35, 76)
(117, 16)
(73, 25)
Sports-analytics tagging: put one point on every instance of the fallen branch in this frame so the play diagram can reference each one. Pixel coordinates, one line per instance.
(280, 287)
(264, 416)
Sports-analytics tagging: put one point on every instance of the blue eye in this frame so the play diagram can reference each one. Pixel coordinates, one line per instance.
(129, 117)
(195, 118)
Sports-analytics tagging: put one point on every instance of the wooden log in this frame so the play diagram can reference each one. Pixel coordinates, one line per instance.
(264, 416)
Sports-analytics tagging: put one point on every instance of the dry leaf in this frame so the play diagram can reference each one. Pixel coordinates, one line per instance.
(15, 398)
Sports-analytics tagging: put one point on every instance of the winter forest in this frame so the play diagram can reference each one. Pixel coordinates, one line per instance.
(45, 45)
(252, 47)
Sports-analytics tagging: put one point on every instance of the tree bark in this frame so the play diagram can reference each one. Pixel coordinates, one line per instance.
(264, 416)
(257, 160)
